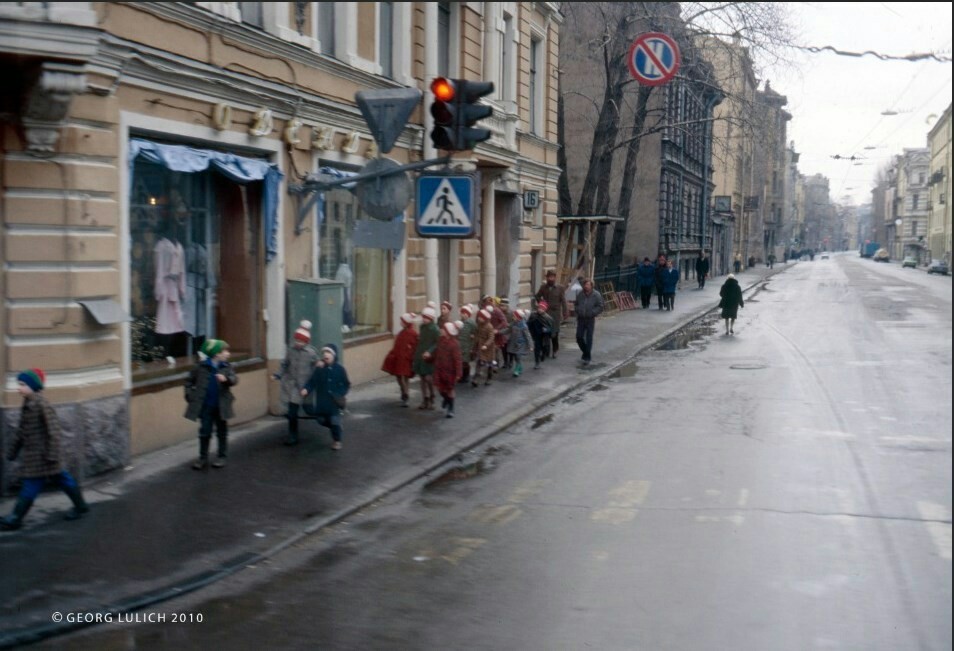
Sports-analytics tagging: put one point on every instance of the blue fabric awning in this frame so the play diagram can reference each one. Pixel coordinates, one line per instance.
(240, 169)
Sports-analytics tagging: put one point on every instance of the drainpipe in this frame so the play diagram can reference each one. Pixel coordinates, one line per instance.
(431, 279)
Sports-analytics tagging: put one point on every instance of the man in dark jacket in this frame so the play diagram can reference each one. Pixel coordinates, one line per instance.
(702, 270)
(646, 277)
(554, 296)
(589, 305)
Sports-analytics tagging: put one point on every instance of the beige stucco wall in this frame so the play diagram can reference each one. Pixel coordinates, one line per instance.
(157, 420)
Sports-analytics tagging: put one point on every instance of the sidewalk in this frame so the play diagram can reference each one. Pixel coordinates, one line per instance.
(158, 529)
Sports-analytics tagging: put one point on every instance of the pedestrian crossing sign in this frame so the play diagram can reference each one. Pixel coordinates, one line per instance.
(446, 205)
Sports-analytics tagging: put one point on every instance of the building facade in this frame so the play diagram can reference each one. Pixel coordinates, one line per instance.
(912, 199)
(148, 153)
(939, 182)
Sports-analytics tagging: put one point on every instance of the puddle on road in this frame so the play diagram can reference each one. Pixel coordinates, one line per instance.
(541, 421)
(682, 339)
(470, 465)
(626, 370)
(598, 387)
(572, 400)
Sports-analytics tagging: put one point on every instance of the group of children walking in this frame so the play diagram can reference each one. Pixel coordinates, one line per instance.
(445, 352)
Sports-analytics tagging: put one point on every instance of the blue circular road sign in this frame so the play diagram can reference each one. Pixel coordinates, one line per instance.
(653, 59)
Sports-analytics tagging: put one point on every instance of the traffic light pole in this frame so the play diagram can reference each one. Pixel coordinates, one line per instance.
(314, 185)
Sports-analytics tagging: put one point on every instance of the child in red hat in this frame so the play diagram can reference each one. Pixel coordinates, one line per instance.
(295, 371)
(399, 362)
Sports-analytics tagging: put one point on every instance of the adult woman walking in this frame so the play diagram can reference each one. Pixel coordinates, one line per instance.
(731, 293)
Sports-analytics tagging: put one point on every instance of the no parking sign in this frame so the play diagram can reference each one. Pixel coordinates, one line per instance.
(653, 59)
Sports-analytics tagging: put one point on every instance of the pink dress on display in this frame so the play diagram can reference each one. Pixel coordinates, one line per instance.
(170, 287)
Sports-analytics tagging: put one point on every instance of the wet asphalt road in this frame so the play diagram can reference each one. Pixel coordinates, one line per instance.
(785, 488)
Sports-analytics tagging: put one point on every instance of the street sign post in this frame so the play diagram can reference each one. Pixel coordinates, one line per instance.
(653, 59)
(386, 112)
(446, 205)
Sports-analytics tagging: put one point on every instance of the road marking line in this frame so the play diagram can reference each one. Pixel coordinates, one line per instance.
(743, 498)
(613, 515)
(465, 547)
(630, 494)
(499, 515)
(528, 490)
(940, 531)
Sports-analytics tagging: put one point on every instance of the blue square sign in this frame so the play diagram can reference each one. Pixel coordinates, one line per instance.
(445, 205)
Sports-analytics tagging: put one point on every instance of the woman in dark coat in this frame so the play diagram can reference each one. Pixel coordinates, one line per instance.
(731, 293)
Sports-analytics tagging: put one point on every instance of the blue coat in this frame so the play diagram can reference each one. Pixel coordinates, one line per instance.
(326, 383)
(646, 275)
(670, 278)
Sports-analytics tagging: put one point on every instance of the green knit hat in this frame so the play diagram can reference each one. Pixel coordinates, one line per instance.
(212, 347)
(34, 378)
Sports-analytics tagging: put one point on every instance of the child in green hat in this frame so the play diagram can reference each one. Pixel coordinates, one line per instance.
(208, 390)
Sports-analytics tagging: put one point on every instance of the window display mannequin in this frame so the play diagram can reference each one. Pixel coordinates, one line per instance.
(345, 276)
(170, 288)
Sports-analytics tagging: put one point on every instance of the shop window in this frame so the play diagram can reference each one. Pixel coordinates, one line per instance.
(195, 267)
(364, 272)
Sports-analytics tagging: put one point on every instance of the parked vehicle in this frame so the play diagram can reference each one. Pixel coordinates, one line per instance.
(869, 248)
(910, 262)
(938, 267)
(881, 255)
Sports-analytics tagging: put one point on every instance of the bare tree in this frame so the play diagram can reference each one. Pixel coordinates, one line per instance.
(614, 94)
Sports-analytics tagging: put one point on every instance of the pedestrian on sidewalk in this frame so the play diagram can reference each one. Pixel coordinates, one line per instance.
(445, 316)
(485, 347)
(670, 278)
(731, 293)
(499, 322)
(541, 326)
(646, 277)
(554, 296)
(589, 305)
(520, 343)
(295, 369)
(424, 356)
(737, 263)
(38, 444)
(503, 334)
(330, 384)
(448, 366)
(771, 261)
(208, 390)
(659, 285)
(399, 362)
(702, 270)
(468, 332)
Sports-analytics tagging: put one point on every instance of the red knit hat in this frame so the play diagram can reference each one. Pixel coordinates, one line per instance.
(303, 333)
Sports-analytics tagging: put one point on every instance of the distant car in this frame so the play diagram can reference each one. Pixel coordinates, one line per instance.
(881, 255)
(824, 256)
(938, 267)
(910, 262)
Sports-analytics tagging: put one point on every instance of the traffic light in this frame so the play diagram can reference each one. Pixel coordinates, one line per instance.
(455, 111)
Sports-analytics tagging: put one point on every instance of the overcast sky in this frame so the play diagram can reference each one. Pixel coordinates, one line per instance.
(837, 101)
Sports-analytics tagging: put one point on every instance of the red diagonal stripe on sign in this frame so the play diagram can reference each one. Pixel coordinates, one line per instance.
(652, 55)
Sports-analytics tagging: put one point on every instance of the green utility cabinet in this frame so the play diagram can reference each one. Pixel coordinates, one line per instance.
(321, 302)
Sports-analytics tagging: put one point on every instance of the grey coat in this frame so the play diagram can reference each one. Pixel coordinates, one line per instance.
(198, 383)
(37, 440)
(588, 307)
(296, 369)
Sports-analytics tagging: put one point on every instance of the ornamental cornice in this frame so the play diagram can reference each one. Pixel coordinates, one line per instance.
(267, 43)
(158, 70)
(48, 40)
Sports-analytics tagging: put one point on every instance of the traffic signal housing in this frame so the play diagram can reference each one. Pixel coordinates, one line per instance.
(456, 111)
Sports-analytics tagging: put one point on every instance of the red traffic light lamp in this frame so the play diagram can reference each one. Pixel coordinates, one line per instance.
(455, 111)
